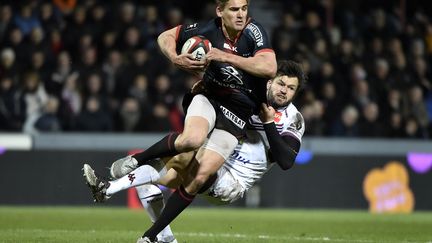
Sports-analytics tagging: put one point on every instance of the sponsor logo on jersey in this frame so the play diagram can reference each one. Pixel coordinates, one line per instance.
(232, 117)
(256, 33)
(191, 27)
(229, 47)
(236, 155)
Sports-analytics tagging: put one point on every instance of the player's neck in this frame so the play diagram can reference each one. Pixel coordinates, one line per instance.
(230, 34)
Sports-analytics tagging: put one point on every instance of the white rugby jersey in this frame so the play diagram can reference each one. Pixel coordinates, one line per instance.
(249, 161)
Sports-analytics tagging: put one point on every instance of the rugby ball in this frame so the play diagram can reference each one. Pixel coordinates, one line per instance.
(198, 46)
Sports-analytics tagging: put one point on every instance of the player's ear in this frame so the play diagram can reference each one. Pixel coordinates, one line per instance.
(219, 11)
(269, 82)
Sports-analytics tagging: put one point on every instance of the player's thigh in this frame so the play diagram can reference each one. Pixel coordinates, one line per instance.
(220, 142)
(200, 116)
(215, 151)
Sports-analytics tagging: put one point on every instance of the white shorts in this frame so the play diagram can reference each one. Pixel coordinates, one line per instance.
(201, 106)
(226, 189)
(221, 142)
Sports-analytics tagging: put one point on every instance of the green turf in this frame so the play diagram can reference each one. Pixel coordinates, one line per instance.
(102, 224)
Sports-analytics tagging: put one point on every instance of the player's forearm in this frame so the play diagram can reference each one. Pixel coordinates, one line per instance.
(283, 153)
(261, 65)
(167, 43)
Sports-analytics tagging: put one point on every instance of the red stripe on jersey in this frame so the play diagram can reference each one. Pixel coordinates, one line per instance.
(265, 50)
(177, 32)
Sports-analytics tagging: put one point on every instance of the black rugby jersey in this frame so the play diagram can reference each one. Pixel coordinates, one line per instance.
(223, 78)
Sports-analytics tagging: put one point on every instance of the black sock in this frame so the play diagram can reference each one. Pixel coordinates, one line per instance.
(165, 147)
(178, 201)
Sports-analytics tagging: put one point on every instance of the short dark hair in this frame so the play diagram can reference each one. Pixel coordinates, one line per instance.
(222, 3)
(292, 69)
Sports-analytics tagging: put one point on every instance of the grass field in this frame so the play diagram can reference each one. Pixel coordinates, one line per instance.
(104, 224)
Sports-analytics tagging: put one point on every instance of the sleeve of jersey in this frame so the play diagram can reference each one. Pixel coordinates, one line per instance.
(184, 32)
(283, 149)
(259, 36)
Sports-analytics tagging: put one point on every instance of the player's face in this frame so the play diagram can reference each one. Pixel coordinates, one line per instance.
(234, 15)
(281, 90)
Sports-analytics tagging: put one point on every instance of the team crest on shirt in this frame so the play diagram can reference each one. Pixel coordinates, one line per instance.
(277, 117)
(232, 75)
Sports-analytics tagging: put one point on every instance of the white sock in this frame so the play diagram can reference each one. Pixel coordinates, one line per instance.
(152, 200)
(144, 174)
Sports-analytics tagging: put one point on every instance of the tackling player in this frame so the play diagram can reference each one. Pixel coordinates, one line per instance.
(276, 139)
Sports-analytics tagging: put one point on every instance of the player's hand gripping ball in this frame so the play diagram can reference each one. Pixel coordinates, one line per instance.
(198, 46)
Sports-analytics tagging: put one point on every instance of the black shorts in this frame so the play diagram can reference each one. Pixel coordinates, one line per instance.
(233, 111)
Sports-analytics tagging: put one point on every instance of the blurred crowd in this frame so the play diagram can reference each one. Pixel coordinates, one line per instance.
(70, 65)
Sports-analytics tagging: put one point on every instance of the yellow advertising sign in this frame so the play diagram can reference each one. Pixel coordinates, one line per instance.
(387, 189)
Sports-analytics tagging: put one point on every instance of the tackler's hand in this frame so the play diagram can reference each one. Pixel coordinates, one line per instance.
(267, 113)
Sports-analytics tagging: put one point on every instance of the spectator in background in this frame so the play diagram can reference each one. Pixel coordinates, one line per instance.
(61, 74)
(47, 120)
(139, 90)
(313, 117)
(33, 96)
(332, 104)
(369, 123)
(76, 26)
(71, 101)
(422, 75)
(16, 42)
(412, 129)
(113, 69)
(8, 66)
(99, 22)
(39, 65)
(92, 118)
(380, 79)
(56, 42)
(162, 92)
(416, 108)
(152, 26)
(133, 117)
(394, 128)
(26, 20)
(285, 32)
(347, 125)
(95, 87)
(361, 95)
(393, 104)
(11, 113)
(5, 21)
(49, 20)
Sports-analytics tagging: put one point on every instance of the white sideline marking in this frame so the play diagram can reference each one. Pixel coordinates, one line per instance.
(267, 237)
(216, 235)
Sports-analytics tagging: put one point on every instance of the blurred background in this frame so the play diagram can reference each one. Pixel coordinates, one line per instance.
(84, 81)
